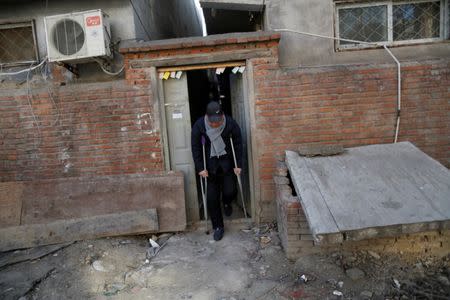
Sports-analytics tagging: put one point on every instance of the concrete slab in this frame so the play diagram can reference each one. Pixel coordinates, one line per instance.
(372, 191)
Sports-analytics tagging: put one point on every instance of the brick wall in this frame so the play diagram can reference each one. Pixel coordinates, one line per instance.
(353, 106)
(113, 127)
(86, 129)
(350, 105)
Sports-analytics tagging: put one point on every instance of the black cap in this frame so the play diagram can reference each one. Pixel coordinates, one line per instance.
(214, 112)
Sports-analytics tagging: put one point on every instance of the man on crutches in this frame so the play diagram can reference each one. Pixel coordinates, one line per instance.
(220, 171)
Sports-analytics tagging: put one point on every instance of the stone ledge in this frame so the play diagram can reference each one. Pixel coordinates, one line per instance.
(200, 41)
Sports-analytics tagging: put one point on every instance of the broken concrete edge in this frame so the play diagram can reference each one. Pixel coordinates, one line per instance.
(27, 236)
(393, 231)
(317, 212)
(199, 41)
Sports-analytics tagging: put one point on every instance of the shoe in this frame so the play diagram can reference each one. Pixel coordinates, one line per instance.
(228, 209)
(218, 233)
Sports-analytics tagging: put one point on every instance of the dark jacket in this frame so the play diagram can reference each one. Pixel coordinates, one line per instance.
(225, 161)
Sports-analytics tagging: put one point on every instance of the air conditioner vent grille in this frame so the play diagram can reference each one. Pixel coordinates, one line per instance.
(68, 36)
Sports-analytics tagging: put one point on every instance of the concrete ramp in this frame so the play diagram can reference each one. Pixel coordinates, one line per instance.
(371, 191)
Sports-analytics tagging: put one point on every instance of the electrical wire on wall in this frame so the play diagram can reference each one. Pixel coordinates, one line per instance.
(44, 70)
(101, 64)
(29, 69)
(30, 104)
(399, 77)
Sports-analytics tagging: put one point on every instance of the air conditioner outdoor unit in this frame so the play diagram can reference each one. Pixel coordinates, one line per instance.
(77, 37)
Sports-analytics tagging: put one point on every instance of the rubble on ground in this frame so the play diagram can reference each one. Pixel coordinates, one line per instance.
(246, 264)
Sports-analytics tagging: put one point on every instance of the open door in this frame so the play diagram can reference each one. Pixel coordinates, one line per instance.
(178, 123)
(237, 95)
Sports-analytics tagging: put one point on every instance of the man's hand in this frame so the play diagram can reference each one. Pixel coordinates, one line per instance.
(203, 173)
(237, 171)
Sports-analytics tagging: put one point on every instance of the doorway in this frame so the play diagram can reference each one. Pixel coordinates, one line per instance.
(185, 100)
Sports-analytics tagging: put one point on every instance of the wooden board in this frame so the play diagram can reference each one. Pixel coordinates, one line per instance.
(371, 191)
(45, 201)
(131, 222)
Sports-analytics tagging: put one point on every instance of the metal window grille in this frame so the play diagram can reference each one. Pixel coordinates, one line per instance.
(368, 24)
(416, 21)
(17, 44)
(392, 22)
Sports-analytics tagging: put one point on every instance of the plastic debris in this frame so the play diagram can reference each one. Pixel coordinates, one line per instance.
(396, 283)
(154, 244)
(340, 284)
(304, 278)
(154, 249)
(338, 293)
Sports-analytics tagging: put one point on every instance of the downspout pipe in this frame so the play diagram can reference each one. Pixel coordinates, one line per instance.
(399, 70)
(399, 91)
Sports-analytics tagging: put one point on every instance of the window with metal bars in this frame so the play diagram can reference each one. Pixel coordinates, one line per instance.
(18, 44)
(391, 22)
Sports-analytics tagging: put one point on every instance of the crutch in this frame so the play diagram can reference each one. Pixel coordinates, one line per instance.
(205, 190)
(239, 181)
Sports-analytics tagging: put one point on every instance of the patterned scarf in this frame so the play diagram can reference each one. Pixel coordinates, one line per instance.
(215, 136)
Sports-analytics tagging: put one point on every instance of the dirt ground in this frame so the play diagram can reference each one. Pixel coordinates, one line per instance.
(246, 264)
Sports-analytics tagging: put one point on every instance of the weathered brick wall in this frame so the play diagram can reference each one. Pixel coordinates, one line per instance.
(353, 106)
(85, 129)
(113, 127)
(293, 228)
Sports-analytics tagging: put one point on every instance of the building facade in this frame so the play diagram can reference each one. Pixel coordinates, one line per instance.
(302, 87)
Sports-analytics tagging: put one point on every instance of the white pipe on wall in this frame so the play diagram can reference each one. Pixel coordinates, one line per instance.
(399, 74)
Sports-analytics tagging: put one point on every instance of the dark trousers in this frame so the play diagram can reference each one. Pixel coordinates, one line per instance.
(220, 183)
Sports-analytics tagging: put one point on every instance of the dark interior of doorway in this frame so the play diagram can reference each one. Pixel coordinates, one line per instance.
(205, 86)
